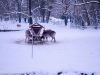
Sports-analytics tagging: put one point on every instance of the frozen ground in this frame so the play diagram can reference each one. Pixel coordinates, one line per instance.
(76, 50)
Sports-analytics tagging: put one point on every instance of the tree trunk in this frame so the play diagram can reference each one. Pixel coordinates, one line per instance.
(19, 14)
(19, 10)
(30, 13)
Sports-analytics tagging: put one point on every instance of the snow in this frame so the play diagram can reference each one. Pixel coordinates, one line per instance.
(76, 50)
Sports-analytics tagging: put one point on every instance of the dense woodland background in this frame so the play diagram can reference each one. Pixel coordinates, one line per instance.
(81, 13)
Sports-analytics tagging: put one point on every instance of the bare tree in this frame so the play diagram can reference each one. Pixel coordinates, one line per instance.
(30, 13)
(19, 3)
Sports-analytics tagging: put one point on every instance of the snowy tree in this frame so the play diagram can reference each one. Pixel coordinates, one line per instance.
(84, 11)
(4, 6)
(45, 9)
(19, 3)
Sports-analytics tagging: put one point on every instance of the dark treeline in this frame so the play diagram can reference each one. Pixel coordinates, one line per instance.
(81, 13)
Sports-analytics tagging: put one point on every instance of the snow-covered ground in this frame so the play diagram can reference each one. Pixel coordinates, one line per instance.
(75, 51)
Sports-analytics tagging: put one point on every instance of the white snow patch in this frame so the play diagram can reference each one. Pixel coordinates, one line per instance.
(75, 51)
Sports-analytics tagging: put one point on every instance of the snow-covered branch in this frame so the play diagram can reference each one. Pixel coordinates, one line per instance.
(35, 8)
(17, 13)
(87, 2)
(78, 3)
(62, 4)
(41, 8)
(46, 9)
